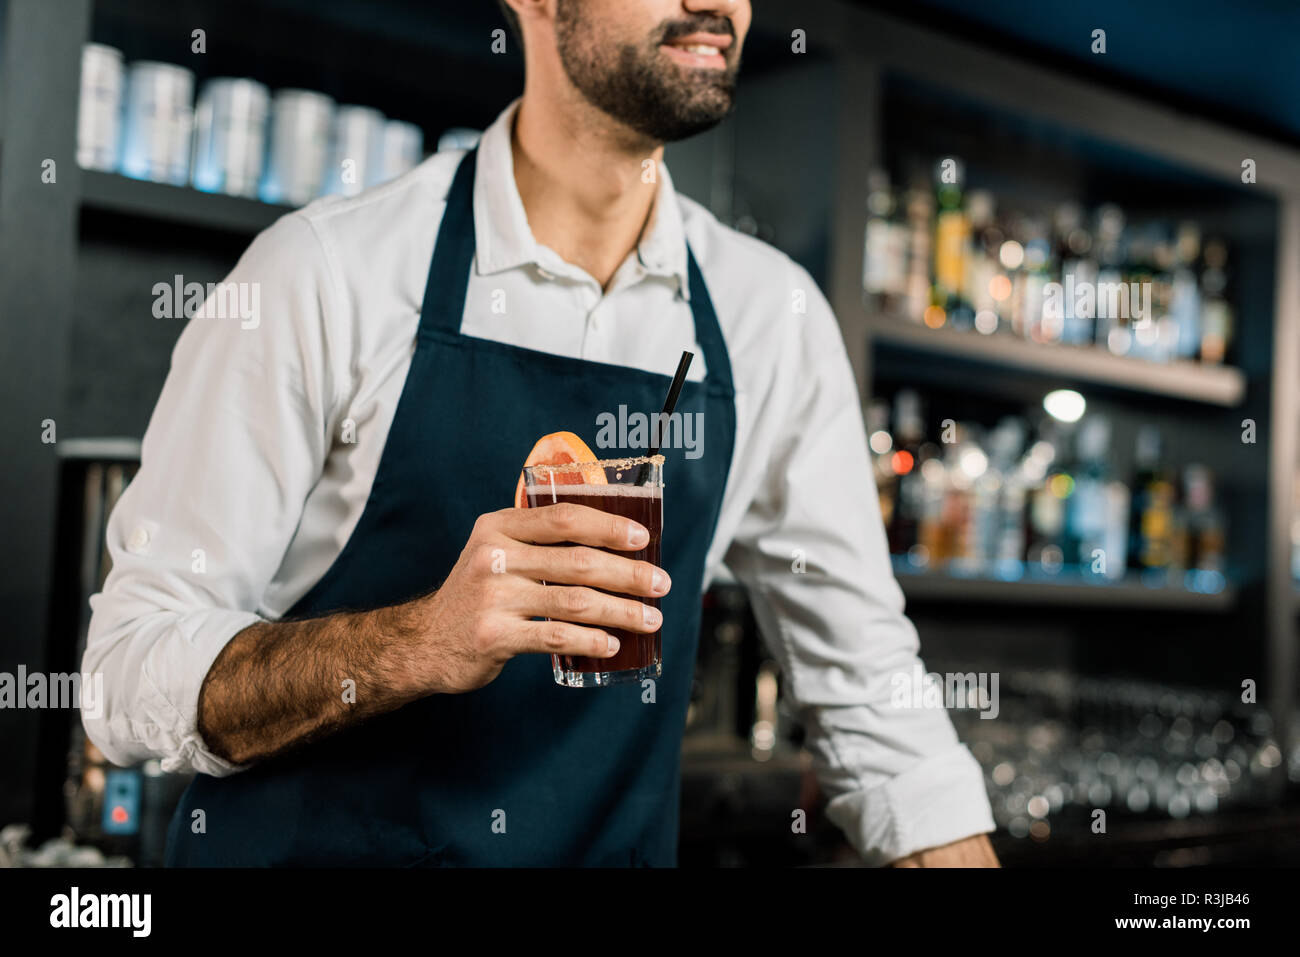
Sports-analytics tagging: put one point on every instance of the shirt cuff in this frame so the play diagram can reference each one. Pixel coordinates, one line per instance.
(936, 802)
(175, 715)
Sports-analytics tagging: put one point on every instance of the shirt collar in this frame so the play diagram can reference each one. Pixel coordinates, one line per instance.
(504, 239)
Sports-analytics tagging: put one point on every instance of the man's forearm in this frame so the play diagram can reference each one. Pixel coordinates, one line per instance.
(970, 852)
(277, 685)
(280, 684)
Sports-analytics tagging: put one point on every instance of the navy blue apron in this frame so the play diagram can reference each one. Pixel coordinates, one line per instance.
(523, 771)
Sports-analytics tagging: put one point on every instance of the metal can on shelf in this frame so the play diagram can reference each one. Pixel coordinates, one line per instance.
(401, 151)
(159, 121)
(356, 150)
(458, 138)
(230, 136)
(99, 107)
(301, 122)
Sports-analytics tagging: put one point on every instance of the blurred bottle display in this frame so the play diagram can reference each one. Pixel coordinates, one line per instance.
(99, 107)
(1065, 744)
(230, 136)
(948, 256)
(140, 120)
(300, 128)
(158, 122)
(402, 149)
(1038, 497)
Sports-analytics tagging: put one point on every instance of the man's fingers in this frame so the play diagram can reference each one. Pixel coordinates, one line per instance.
(590, 607)
(570, 522)
(581, 565)
(563, 638)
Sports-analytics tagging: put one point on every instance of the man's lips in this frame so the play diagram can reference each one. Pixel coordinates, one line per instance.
(699, 50)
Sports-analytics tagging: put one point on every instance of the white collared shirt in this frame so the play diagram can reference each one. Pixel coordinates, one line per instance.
(259, 457)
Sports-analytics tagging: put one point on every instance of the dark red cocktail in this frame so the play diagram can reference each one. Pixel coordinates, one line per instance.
(639, 653)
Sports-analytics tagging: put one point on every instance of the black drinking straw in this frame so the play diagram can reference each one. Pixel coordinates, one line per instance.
(670, 403)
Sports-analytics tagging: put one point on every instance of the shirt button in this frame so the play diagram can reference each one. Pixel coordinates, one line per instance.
(139, 540)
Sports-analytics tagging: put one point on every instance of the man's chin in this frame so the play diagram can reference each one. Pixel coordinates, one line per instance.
(668, 103)
(684, 127)
(703, 77)
(702, 102)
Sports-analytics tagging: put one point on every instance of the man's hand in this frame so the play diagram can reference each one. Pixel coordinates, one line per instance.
(970, 852)
(277, 685)
(481, 616)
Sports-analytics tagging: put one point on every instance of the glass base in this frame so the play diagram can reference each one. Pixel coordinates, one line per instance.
(602, 679)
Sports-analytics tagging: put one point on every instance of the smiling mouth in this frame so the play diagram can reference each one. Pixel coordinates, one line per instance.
(700, 52)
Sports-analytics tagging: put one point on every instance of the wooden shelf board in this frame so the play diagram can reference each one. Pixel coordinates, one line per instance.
(1192, 381)
(929, 587)
(112, 192)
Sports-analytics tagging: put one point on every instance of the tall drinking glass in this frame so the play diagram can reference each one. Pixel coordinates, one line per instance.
(632, 488)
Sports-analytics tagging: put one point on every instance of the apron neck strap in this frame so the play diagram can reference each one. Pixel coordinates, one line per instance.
(708, 331)
(453, 258)
(453, 254)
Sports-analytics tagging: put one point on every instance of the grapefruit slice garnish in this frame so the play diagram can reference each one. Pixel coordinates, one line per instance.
(562, 448)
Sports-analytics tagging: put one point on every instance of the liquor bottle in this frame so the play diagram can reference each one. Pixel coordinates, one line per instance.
(968, 507)
(986, 518)
(1185, 292)
(1099, 508)
(1077, 271)
(1006, 445)
(999, 285)
(1136, 300)
(982, 270)
(884, 267)
(1216, 314)
(1205, 523)
(909, 432)
(988, 470)
(1151, 532)
(951, 241)
(920, 223)
(1112, 331)
(1011, 256)
(932, 546)
(1164, 258)
(930, 479)
(1037, 274)
(1048, 504)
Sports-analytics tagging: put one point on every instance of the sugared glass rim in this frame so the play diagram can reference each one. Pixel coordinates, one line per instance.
(619, 464)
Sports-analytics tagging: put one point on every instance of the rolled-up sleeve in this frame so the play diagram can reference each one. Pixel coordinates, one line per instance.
(236, 441)
(812, 554)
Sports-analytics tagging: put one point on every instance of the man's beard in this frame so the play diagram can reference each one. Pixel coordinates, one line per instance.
(638, 86)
